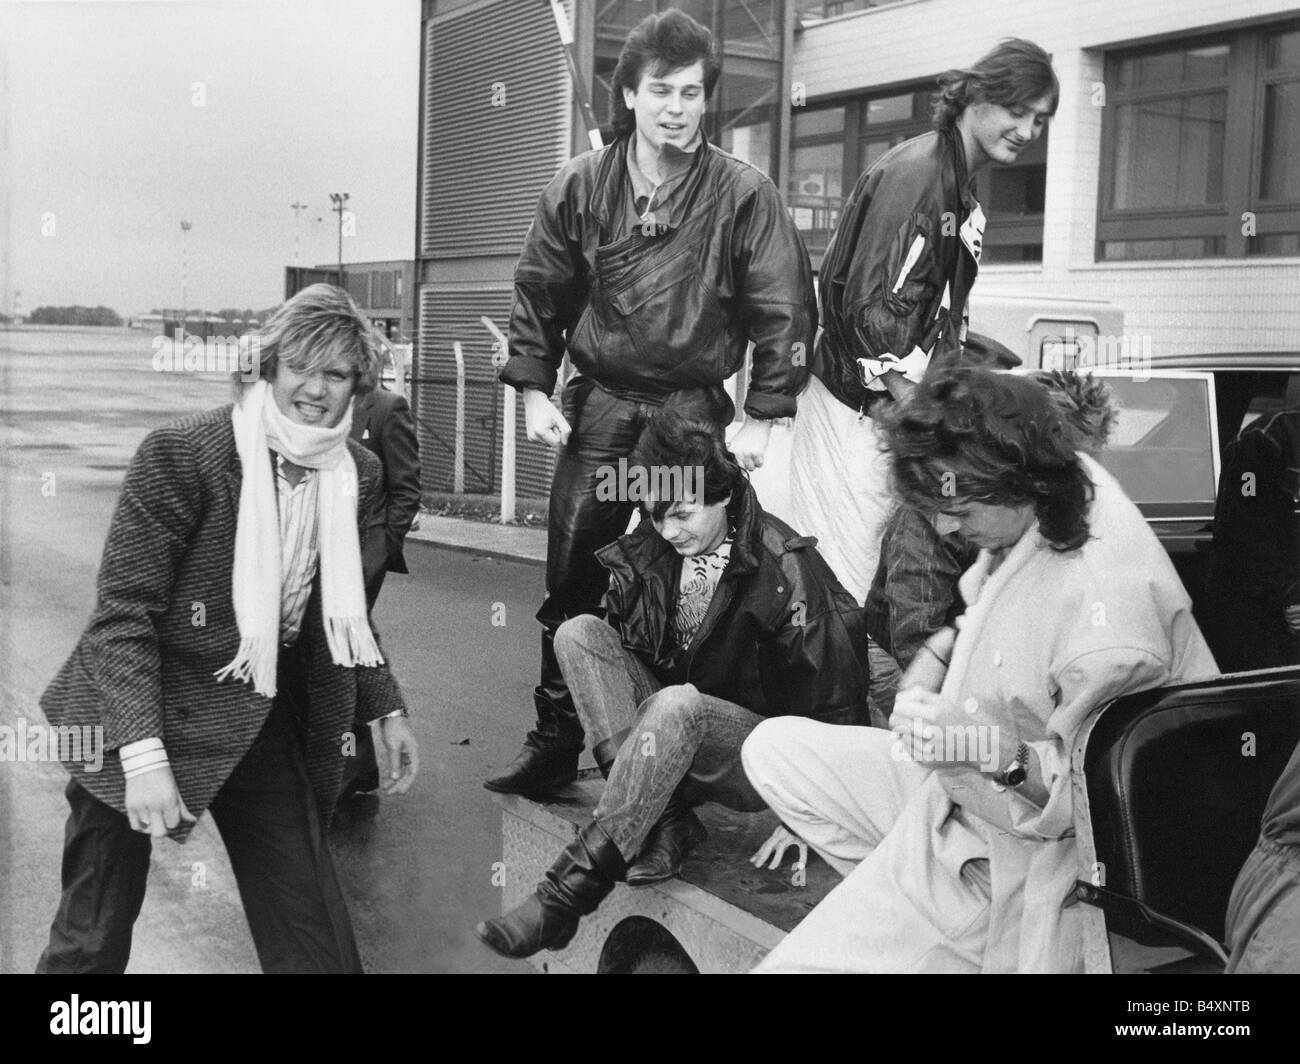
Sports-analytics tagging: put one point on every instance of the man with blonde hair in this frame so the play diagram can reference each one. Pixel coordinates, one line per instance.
(229, 659)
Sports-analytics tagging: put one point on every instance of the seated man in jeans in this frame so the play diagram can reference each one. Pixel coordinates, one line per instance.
(718, 615)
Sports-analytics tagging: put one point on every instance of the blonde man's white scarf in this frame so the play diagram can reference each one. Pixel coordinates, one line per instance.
(256, 578)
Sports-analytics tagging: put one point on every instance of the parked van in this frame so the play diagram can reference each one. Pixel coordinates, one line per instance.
(1047, 332)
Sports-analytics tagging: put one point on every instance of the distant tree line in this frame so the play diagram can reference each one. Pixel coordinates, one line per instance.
(226, 313)
(74, 316)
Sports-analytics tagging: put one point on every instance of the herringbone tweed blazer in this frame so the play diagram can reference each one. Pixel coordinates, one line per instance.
(164, 623)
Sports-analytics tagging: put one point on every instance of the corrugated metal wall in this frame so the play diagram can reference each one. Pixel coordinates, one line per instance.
(496, 126)
(496, 129)
(446, 317)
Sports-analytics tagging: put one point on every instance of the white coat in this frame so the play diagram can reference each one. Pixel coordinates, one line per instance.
(1048, 638)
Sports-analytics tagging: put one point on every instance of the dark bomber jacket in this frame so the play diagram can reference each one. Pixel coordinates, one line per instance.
(781, 635)
(649, 315)
(906, 194)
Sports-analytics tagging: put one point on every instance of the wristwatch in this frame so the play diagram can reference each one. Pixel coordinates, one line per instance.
(1015, 774)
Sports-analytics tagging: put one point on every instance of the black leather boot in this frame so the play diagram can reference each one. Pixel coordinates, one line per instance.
(581, 878)
(673, 839)
(549, 758)
(537, 771)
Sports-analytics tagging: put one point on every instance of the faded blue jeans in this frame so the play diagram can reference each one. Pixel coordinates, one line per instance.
(668, 737)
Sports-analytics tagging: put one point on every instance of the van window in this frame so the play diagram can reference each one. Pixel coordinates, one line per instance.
(1165, 443)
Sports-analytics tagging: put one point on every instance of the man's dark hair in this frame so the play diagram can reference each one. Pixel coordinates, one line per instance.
(972, 435)
(661, 44)
(1014, 74)
(670, 442)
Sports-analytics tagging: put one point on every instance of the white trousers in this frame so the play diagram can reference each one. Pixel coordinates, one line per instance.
(915, 897)
(839, 486)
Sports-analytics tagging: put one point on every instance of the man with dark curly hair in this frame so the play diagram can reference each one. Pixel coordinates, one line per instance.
(955, 834)
(922, 557)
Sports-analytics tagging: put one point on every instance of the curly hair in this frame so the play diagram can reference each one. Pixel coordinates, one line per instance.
(672, 442)
(662, 43)
(1085, 402)
(1014, 74)
(976, 435)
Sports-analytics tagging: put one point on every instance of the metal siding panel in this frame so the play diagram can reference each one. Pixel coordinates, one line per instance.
(486, 165)
(445, 317)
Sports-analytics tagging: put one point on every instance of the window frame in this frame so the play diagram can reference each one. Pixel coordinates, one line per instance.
(1245, 84)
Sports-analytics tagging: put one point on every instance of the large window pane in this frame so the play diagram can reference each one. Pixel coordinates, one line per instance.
(1016, 253)
(815, 171)
(745, 117)
(753, 143)
(1185, 248)
(1280, 173)
(825, 120)
(1169, 69)
(889, 109)
(1274, 244)
(1174, 161)
(815, 191)
(1169, 153)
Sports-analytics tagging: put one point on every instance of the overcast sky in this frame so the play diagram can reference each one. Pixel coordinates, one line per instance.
(127, 118)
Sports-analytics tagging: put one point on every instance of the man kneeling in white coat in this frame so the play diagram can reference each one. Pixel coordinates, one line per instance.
(955, 832)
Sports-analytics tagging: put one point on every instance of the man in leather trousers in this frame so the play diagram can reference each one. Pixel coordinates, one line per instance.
(653, 262)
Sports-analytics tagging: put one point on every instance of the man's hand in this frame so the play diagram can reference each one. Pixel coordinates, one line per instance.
(924, 722)
(750, 443)
(778, 842)
(898, 386)
(153, 802)
(1292, 615)
(398, 755)
(545, 423)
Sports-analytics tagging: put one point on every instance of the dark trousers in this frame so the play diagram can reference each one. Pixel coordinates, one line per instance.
(605, 427)
(363, 765)
(268, 818)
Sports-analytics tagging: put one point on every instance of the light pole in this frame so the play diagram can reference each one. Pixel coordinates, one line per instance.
(185, 269)
(340, 200)
(297, 208)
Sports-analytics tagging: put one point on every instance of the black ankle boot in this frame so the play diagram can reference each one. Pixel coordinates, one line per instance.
(537, 772)
(581, 878)
(673, 838)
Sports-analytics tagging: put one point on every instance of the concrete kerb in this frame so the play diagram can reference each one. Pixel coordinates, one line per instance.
(489, 539)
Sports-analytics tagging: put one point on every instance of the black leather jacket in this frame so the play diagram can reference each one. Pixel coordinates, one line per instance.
(781, 635)
(649, 315)
(920, 188)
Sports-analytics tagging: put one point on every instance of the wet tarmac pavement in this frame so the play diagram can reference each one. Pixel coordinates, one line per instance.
(417, 869)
